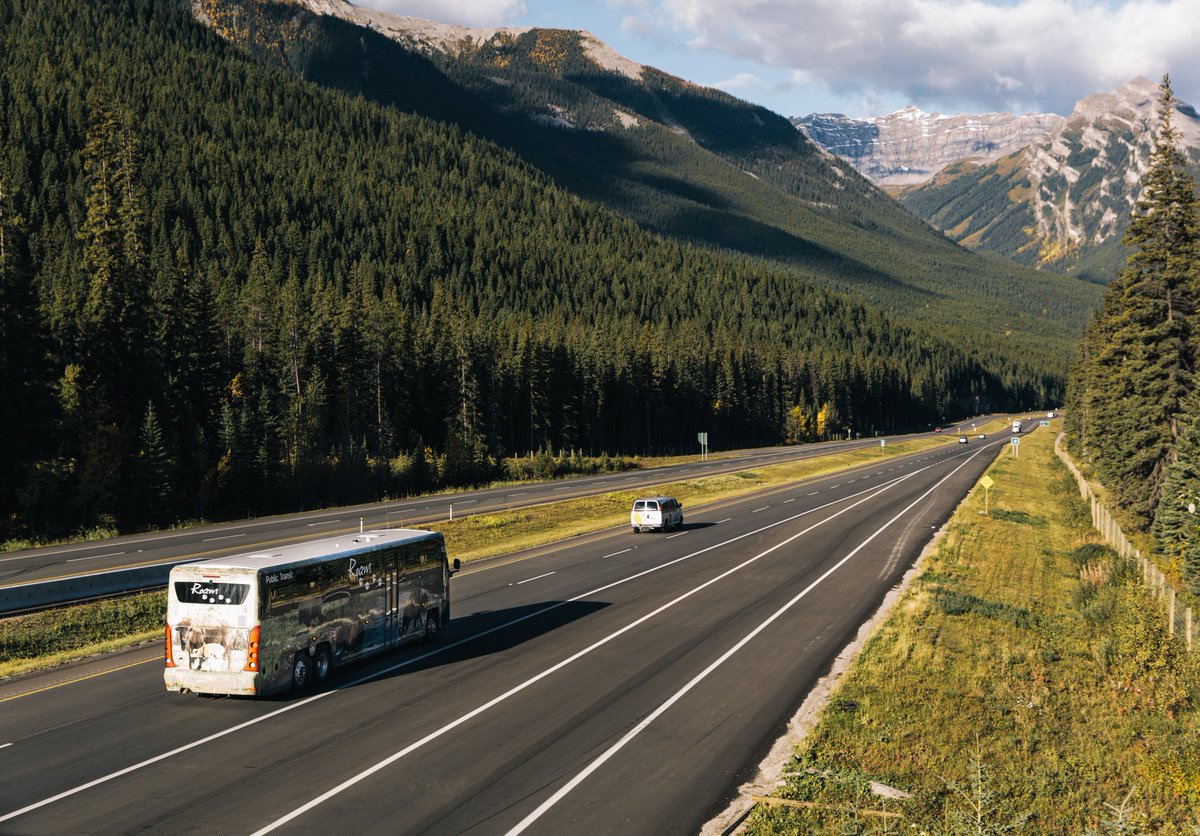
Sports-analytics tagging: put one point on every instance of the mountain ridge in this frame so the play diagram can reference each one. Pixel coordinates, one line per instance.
(681, 160)
(1060, 202)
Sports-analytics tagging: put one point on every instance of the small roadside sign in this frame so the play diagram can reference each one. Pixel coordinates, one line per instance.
(1043, 423)
(1015, 441)
(987, 482)
(883, 442)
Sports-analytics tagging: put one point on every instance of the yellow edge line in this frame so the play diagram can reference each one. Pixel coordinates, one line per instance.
(156, 657)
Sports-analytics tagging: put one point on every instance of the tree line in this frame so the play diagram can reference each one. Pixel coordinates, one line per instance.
(1133, 408)
(225, 291)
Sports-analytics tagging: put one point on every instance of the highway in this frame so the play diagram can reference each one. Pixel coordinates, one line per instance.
(624, 683)
(208, 541)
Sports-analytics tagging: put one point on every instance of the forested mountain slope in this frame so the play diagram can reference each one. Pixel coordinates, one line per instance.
(227, 291)
(690, 162)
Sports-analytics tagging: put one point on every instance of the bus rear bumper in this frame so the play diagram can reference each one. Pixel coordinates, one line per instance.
(210, 682)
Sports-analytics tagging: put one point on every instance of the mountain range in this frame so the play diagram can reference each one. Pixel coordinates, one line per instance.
(1043, 190)
(681, 160)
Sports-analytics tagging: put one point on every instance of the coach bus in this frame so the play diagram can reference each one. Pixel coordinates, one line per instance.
(264, 622)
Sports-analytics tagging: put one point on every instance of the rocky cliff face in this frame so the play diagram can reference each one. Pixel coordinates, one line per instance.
(909, 146)
(1062, 202)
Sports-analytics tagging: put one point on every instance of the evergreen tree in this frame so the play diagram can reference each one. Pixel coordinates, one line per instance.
(1177, 519)
(152, 479)
(26, 406)
(1143, 339)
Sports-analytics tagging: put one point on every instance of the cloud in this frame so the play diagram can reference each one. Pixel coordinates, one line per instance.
(979, 54)
(741, 81)
(477, 13)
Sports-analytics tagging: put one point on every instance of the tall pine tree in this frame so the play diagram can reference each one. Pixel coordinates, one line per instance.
(1142, 342)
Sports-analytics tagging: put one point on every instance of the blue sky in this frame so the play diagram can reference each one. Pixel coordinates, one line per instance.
(868, 57)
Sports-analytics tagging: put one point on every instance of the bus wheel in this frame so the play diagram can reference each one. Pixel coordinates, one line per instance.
(433, 621)
(301, 670)
(322, 664)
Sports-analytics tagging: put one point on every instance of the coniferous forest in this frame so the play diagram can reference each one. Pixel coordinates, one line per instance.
(1133, 410)
(225, 291)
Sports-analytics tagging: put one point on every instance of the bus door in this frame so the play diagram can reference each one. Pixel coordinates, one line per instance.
(392, 604)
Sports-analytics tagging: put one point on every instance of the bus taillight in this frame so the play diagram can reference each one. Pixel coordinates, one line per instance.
(167, 656)
(252, 651)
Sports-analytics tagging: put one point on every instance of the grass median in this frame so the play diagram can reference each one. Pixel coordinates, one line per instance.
(1022, 683)
(54, 637)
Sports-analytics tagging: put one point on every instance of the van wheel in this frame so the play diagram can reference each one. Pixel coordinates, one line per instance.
(322, 664)
(636, 530)
(301, 670)
(433, 621)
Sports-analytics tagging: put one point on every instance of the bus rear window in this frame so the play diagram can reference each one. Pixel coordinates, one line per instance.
(207, 592)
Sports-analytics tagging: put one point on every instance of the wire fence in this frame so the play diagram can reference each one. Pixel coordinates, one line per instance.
(1181, 621)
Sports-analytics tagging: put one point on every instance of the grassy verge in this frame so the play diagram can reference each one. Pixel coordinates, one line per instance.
(487, 535)
(1022, 684)
(53, 637)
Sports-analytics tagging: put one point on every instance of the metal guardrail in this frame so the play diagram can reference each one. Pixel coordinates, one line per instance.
(38, 594)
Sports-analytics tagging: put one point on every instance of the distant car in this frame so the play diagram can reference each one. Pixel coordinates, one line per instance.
(962, 439)
(981, 435)
(937, 429)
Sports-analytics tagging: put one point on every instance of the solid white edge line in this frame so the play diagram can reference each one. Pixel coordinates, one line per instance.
(369, 771)
(696, 680)
(413, 660)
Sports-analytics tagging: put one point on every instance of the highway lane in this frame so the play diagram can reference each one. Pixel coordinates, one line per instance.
(627, 683)
(204, 542)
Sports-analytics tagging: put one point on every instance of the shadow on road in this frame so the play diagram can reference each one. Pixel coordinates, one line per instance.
(479, 634)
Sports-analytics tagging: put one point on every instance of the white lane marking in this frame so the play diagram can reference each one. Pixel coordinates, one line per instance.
(831, 487)
(534, 578)
(94, 557)
(434, 735)
(614, 554)
(324, 522)
(852, 481)
(465, 501)
(522, 493)
(727, 519)
(814, 493)
(5, 745)
(403, 510)
(443, 649)
(698, 678)
(756, 510)
(786, 501)
(226, 537)
(680, 534)
(560, 489)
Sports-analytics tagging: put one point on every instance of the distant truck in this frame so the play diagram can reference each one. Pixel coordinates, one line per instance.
(1016, 426)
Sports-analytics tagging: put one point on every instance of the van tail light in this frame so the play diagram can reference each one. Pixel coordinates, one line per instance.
(168, 655)
(252, 651)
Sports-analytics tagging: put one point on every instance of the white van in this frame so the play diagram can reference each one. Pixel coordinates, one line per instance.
(661, 512)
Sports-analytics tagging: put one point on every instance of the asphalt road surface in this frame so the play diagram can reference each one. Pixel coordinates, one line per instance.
(219, 540)
(628, 683)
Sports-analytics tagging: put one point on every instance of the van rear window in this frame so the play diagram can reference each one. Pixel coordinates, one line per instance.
(207, 592)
